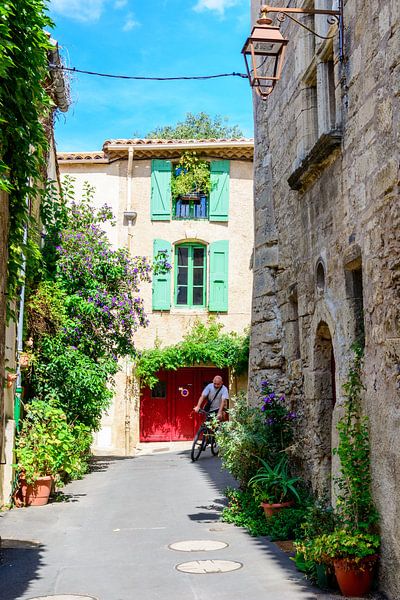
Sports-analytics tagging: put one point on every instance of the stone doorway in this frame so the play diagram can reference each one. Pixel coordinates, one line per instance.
(324, 403)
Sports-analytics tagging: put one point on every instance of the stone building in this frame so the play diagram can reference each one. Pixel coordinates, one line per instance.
(327, 248)
(209, 241)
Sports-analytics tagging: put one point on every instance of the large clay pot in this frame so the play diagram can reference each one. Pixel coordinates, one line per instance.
(38, 493)
(355, 578)
(271, 509)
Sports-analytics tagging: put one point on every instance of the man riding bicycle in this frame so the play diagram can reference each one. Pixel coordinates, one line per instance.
(216, 395)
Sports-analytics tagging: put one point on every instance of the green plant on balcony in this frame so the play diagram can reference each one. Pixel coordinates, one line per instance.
(191, 176)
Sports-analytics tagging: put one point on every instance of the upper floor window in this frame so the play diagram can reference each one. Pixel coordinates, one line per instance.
(212, 204)
(190, 273)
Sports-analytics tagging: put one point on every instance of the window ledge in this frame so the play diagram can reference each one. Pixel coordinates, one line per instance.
(323, 153)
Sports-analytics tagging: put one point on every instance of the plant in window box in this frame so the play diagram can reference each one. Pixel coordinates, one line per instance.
(274, 487)
(191, 177)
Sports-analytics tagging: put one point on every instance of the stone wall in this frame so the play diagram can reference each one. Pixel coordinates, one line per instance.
(327, 248)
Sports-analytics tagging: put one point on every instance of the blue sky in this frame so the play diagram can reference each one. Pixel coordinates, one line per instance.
(160, 38)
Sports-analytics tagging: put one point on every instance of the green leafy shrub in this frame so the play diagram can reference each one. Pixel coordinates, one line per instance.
(75, 382)
(49, 445)
(204, 343)
(342, 544)
(255, 433)
(244, 511)
(241, 439)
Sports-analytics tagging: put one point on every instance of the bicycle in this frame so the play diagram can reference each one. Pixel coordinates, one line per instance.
(204, 437)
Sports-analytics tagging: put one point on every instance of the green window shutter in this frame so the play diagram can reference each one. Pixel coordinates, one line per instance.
(162, 282)
(219, 256)
(160, 190)
(219, 195)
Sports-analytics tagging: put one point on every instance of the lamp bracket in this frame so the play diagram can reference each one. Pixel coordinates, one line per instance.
(334, 16)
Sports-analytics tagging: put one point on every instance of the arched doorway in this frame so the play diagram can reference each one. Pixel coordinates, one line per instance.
(324, 403)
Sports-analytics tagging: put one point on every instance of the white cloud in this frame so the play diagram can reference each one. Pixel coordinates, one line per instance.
(90, 10)
(120, 3)
(218, 5)
(130, 22)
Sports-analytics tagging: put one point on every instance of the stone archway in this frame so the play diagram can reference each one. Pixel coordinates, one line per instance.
(324, 403)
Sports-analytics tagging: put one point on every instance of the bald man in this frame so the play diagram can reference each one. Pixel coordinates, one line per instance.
(217, 395)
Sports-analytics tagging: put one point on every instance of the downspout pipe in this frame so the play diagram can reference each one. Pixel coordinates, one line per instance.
(20, 331)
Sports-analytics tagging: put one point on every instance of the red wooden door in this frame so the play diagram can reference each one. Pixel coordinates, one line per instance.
(166, 412)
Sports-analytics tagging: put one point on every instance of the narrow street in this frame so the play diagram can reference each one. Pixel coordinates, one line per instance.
(109, 538)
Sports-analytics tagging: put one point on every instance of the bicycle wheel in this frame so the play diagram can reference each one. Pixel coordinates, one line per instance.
(214, 446)
(199, 444)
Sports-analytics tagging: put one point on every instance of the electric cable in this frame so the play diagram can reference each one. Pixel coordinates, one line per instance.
(144, 78)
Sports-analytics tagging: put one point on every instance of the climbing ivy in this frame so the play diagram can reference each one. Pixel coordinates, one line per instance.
(204, 343)
(24, 106)
(354, 503)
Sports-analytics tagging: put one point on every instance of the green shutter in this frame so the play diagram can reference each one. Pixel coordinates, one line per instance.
(219, 195)
(160, 190)
(162, 282)
(219, 256)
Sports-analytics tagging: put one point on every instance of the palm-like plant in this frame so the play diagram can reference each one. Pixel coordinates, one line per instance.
(274, 485)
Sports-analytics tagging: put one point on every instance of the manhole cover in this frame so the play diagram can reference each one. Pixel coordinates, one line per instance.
(64, 597)
(197, 545)
(209, 566)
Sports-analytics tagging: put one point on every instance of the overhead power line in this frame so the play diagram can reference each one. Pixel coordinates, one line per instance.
(143, 78)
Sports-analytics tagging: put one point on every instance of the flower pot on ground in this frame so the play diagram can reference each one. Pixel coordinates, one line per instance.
(271, 509)
(354, 556)
(37, 493)
(48, 448)
(355, 577)
(274, 487)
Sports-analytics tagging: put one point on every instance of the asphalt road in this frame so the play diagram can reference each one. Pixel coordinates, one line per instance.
(109, 538)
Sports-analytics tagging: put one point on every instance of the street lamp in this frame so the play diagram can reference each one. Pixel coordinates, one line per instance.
(266, 45)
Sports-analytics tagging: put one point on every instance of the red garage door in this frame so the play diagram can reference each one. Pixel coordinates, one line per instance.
(166, 410)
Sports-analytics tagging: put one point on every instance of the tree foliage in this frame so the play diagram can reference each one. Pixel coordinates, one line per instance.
(197, 127)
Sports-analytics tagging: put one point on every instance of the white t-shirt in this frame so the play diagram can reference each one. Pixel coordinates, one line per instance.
(210, 392)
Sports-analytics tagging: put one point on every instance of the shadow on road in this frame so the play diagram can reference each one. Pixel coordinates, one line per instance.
(211, 469)
(20, 561)
(102, 463)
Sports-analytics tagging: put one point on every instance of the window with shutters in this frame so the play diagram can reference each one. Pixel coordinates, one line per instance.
(190, 275)
(213, 205)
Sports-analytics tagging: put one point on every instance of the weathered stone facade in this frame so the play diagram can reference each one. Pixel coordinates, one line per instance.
(327, 248)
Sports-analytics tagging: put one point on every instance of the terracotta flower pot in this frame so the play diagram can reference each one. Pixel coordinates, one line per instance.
(38, 493)
(271, 509)
(355, 578)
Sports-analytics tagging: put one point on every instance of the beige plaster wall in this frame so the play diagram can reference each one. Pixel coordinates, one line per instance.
(120, 428)
(348, 211)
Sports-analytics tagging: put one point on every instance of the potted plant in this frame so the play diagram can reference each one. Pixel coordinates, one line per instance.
(274, 487)
(191, 177)
(353, 555)
(47, 451)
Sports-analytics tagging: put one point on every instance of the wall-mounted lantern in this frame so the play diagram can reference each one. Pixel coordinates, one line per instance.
(264, 49)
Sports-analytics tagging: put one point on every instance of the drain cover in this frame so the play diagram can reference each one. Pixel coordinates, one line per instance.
(209, 566)
(197, 545)
(64, 597)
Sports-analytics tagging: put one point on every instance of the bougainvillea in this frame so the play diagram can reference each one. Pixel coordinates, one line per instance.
(101, 284)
